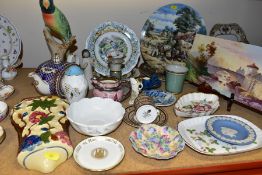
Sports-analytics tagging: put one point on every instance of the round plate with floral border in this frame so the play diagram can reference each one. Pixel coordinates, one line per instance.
(168, 34)
(116, 40)
(10, 41)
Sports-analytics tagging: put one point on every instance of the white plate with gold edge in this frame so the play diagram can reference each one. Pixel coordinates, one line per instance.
(199, 139)
(99, 153)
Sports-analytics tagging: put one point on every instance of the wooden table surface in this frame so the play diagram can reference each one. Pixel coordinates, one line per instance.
(187, 162)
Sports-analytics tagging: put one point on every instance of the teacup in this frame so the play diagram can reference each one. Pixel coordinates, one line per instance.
(146, 112)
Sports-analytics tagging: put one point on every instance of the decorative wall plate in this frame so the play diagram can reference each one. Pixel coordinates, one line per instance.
(168, 34)
(130, 117)
(99, 153)
(157, 142)
(10, 41)
(116, 40)
(230, 130)
(197, 137)
(161, 98)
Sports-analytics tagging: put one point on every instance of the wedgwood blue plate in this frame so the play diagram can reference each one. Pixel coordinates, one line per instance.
(230, 130)
(161, 98)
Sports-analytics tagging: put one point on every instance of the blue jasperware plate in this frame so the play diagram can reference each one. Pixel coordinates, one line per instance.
(230, 130)
(161, 98)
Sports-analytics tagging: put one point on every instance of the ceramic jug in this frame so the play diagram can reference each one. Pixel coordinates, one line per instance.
(107, 88)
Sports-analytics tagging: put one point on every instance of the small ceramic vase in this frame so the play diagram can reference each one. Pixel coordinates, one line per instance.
(136, 87)
(73, 84)
(8, 72)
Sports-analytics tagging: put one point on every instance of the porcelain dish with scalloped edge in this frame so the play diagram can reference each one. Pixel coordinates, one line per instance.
(196, 105)
(158, 142)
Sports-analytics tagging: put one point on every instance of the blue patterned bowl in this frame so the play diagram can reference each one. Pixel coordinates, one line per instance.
(158, 142)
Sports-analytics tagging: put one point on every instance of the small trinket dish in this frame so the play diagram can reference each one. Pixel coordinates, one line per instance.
(230, 130)
(157, 142)
(6, 91)
(2, 134)
(196, 105)
(95, 116)
(3, 110)
(99, 153)
(161, 98)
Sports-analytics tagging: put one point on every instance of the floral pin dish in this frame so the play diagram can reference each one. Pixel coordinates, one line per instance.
(157, 142)
(196, 105)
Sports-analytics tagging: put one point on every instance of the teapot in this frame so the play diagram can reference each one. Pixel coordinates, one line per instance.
(62, 79)
(107, 88)
(45, 76)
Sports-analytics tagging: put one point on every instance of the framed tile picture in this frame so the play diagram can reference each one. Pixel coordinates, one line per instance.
(229, 67)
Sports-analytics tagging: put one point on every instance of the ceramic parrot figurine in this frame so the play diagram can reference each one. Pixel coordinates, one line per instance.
(55, 20)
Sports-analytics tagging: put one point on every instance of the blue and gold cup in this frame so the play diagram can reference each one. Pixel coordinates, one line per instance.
(175, 77)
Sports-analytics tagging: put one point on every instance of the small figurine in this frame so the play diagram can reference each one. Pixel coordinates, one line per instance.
(136, 87)
(55, 20)
(87, 65)
(57, 26)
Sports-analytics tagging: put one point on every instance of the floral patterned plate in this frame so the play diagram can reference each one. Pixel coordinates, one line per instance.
(230, 130)
(10, 41)
(115, 40)
(198, 138)
(157, 142)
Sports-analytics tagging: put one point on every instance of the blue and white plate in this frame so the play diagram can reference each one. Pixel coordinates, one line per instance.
(116, 40)
(161, 98)
(230, 130)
